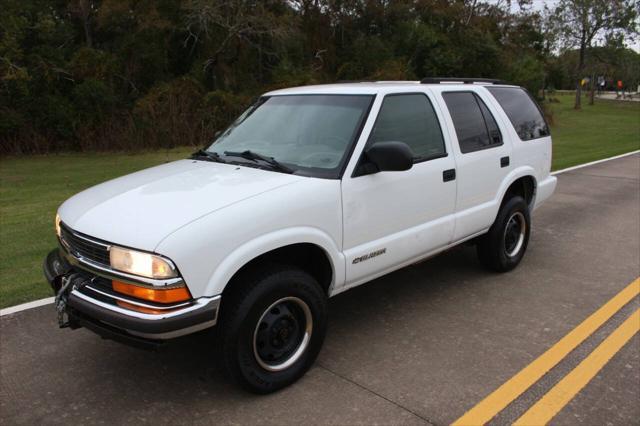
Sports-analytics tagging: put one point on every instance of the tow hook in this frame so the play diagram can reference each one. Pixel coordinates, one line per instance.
(68, 284)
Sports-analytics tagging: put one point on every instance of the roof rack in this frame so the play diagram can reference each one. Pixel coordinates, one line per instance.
(465, 80)
(374, 81)
(352, 81)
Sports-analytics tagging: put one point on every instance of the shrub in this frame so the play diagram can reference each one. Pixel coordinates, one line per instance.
(94, 101)
(89, 63)
(171, 114)
(220, 108)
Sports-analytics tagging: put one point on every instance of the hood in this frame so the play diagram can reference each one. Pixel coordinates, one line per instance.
(140, 209)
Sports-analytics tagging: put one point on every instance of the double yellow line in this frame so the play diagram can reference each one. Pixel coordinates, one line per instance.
(554, 400)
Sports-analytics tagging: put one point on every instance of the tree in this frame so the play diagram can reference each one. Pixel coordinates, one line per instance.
(580, 23)
(133, 74)
(83, 11)
(223, 25)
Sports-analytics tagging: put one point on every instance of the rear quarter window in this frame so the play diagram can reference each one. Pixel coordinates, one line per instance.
(524, 114)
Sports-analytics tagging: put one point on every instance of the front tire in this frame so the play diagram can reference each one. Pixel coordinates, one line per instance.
(273, 328)
(503, 247)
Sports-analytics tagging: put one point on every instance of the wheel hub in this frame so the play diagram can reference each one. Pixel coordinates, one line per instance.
(282, 333)
(514, 234)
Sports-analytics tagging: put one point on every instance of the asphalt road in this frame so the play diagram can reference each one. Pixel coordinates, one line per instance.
(419, 346)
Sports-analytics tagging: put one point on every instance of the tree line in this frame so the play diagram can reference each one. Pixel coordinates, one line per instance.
(142, 74)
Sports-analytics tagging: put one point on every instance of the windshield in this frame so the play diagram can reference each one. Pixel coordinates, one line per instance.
(310, 134)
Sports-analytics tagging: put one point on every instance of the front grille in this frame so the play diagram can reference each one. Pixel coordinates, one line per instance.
(82, 245)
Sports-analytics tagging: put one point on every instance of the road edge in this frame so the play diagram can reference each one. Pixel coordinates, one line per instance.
(591, 163)
(23, 307)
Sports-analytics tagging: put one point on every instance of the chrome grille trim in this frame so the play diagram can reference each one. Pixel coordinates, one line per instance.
(80, 259)
(83, 246)
(196, 304)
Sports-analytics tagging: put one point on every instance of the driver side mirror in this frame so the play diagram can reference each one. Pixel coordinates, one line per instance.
(387, 157)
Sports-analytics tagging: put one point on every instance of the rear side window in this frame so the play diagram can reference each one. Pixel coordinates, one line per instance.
(475, 126)
(410, 118)
(524, 114)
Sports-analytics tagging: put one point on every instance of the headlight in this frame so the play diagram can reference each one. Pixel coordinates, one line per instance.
(139, 263)
(57, 225)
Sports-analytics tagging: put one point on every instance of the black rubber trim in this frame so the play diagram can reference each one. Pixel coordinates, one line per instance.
(449, 175)
(54, 266)
(352, 147)
(47, 267)
(198, 316)
(112, 333)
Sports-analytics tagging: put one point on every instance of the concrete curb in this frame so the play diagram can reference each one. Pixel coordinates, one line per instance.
(580, 166)
(25, 306)
(49, 300)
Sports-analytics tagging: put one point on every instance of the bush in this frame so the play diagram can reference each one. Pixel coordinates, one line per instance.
(170, 114)
(94, 101)
(89, 63)
(221, 108)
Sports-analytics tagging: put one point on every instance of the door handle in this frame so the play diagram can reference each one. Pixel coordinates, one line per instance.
(504, 162)
(448, 175)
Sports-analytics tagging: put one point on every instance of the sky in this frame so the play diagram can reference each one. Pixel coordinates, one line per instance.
(539, 5)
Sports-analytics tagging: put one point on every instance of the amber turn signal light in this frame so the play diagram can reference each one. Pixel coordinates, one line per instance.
(169, 295)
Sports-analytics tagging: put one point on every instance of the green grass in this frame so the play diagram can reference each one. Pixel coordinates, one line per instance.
(597, 131)
(32, 188)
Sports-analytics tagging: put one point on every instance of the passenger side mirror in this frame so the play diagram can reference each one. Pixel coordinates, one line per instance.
(389, 157)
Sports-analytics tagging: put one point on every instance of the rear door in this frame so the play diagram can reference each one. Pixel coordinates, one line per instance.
(483, 158)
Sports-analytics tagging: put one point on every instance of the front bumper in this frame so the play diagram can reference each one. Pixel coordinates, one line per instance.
(100, 309)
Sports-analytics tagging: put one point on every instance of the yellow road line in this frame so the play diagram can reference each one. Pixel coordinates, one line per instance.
(486, 409)
(564, 391)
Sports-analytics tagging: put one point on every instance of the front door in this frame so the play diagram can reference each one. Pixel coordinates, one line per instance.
(394, 218)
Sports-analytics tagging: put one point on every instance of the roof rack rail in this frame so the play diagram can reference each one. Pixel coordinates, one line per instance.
(352, 81)
(465, 80)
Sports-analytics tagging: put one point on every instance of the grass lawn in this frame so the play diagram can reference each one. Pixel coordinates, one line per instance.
(32, 188)
(599, 131)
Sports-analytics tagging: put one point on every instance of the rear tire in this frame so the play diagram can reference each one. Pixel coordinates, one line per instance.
(272, 327)
(503, 247)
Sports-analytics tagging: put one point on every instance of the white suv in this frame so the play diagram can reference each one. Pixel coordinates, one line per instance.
(312, 191)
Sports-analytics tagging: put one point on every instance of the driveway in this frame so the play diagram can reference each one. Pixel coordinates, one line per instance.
(419, 346)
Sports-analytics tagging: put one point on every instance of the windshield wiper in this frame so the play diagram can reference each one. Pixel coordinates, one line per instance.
(201, 154)
(254, 156)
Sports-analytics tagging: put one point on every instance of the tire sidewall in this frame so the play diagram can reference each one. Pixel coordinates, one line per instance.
(513, 205)
(238, 345)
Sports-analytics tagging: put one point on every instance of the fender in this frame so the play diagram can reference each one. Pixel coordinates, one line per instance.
(485, 214)
(514, 175)
(242, 255)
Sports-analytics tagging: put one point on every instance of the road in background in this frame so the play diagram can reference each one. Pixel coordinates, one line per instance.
(421, 345)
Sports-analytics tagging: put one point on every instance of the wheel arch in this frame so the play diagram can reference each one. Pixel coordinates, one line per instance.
(308, 248)
(520, 182)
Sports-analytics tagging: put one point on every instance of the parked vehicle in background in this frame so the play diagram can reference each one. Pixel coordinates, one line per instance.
(312, 191)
